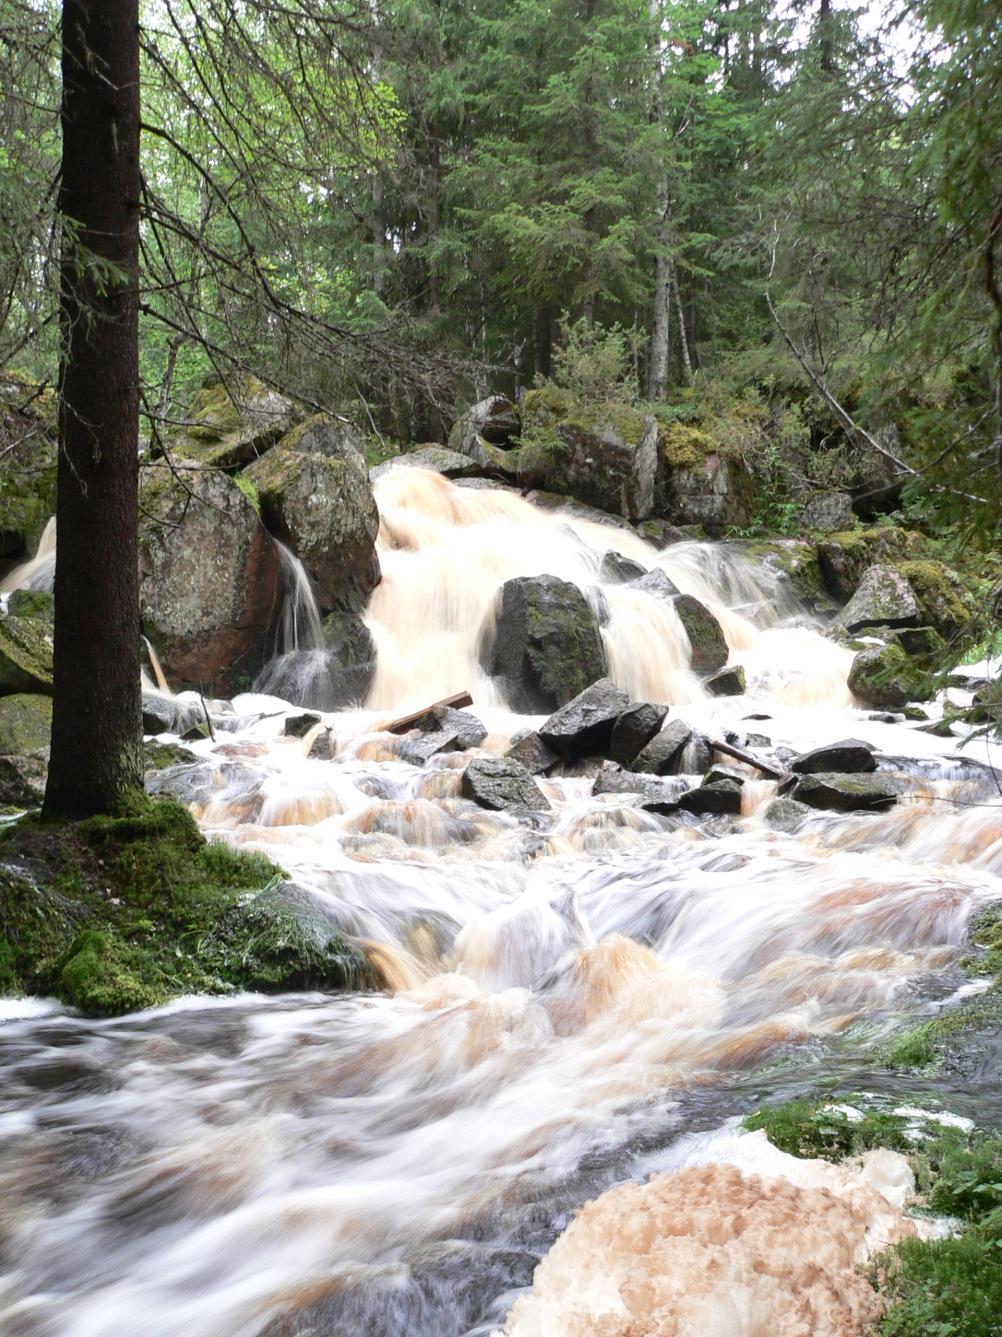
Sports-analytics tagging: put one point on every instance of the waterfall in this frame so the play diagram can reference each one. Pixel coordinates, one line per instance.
(299, 670)
(39, 572)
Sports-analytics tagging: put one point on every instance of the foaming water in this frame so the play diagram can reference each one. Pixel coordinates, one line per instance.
(39, 572)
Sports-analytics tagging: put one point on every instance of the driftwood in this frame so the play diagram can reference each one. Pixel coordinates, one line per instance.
(406, 722)
(729, 750)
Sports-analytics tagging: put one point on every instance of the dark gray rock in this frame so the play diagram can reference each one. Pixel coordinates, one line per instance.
(422, 748)
(697, 755)
(923, 643)
(849, 756)
(656, 583)
(845, 793)
(663, 754)
(786, 814)
(828, 512)
(484, 435)
(723, 774)
(634, 729)
(722, 797)
(468, 730)
(883, 598)
(334, 676)
(545, 647)
(532, 753)
(502, 784)
(617, 569)
(298, 726)
(729, 681)
(709, 648)
(583, 727)
(439, 459)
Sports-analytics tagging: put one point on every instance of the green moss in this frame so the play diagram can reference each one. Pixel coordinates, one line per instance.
(886, 676)
(214, 414)
(942, 598)
(812, 1129)
(683, 446)
(247, 487)
(25, 654)
(115, 913)
(25, 725)
(985, 935)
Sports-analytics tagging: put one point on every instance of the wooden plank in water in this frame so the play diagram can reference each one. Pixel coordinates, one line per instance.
(406, 722)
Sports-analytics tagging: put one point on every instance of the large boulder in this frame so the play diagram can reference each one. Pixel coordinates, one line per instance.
(944, 602)
(633, 730)
(845, 757)
(884, 598)
(439, 459)
(845, 556)
(708, 647)
(484, 434)
(231, 422)
(25, 650)
(25, 725)
(545, 646)
(604, 455)
(531, 752)
(209, 578)
(844, 793)
(883, 675)
(316, 497)
(503, 784)
(828, 512)
(664, 754)
(584, 726)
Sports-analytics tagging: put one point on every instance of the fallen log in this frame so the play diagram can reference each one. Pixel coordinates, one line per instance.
(406, 722)
(729, 750)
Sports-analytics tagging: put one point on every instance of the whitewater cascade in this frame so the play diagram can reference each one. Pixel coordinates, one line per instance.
(574, 1001)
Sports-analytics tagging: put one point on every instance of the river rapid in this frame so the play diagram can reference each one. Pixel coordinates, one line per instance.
(573, 1000)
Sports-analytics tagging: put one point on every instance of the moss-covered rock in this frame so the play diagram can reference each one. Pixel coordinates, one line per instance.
(316, 497)
(944, 601)
(233, 422)
(708, 648)
(209, 579)
(844, 556)
(25, 725)
(25, 654)
(112, 914)
(604, 455)
(883, 598)
(884, 675)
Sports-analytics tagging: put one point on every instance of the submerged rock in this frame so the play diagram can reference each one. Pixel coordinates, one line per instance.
(502, 784)
(584, 726)
(209, 579)
(545, 646)
(845, 757)
(844, 793)
(708, 647)
(316, 497)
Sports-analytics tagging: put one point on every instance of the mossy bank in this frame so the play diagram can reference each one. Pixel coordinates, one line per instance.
(116, 914)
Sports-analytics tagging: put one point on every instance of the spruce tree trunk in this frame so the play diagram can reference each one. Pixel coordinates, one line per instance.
(96, 726)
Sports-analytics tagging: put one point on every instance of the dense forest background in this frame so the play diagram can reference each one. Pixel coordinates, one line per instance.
(776, 223)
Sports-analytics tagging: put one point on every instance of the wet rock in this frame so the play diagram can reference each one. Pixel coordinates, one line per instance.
(883, 598)
(844, 793)
(722, 797)
(604, 455)
(315, 496)
(883, 675)
(324, 746)
(502, 784)
(334, 677)
(658, 793)
(467, 729)
(617, 569)
(159, 714)
(722, 774)
(697, 755)
(535, 755)
(25, 653)
(663, 754)
(660, 533)
(298, 726)
(420, 749)
(441, 460)
(729, 681)
(828, 512)
(545, 647)
(709, 648)
(786, 814)
(849, 756)
(161, 756)
(923, 643)
(583, 727)
(656, 583)
(633, 730)
(209, 578)
(232, 423)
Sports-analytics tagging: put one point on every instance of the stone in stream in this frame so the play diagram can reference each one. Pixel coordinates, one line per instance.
(441, 460)
(721, 797)
(536, 756)
(427, 745)
(617, 569)
(850, 755)
(634, 730)
(786, 815)
(502, 784)
(583, 727)
(663, 754)
(843, 793)
(883, 598)
(883, 675)
(656, 583)
(298, 726)
(728, 681)
(467, 728)
(316, 497)
(659, 793)
(708, 647)
(545, 646)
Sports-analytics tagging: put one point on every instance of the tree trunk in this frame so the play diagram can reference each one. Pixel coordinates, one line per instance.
(96, 725)
(543, 338)
(683, 338)
(657, 375)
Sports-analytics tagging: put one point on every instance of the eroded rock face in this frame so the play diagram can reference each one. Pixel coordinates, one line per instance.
(604, 455)
(316, 497)
(209, 579)
(545, 646)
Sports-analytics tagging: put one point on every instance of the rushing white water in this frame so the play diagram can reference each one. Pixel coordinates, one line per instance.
(39, 572)
(565, 995)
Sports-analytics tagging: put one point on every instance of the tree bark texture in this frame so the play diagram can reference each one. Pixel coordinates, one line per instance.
(96, 728)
